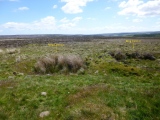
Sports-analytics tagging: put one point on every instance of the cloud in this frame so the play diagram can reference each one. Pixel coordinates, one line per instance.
(74, 6)
(130, 3)
(158, 23)
(127, 18)
(111, 0)
(107, 8)
(23, 8)
(76, 19)
(55, 6)
(117, 28)
(89, 18)
(140, 8)
(68, 24)
(15, 25)
(47, 23)
(137, 20)
(64, 20)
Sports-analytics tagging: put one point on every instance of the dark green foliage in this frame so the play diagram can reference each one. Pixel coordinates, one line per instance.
(120, 56)
(148, 56)
(3, 116)
(134, 55)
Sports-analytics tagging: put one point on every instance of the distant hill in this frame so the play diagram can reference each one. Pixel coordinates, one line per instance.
(155, 34)
(133, 34)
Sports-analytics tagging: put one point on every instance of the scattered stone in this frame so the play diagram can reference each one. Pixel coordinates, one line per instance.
(20, 74)
(18, 59)
(10, 87)
(44, 114)
(43, 93)
(10, 77)
(97, 72)
(81, 71)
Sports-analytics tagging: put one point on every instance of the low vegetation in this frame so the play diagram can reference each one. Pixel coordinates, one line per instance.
(59, 63)
(97, 80)
(119, 55)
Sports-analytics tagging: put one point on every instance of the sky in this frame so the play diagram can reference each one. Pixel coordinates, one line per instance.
(78, 16)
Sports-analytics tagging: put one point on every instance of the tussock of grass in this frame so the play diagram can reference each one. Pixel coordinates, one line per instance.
(59, 63)
(12, 50)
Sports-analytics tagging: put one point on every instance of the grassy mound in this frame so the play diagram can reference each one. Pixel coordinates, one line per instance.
(59, 63)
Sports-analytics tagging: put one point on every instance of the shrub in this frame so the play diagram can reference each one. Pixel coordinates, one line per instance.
(112, 53)
(120, 56)
(59, 63)
(133, 55)
(148, 56)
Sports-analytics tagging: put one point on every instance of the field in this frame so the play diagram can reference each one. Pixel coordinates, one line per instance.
(117, 82)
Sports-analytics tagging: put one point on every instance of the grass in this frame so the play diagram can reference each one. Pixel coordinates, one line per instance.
(59, 63)
(109, 89)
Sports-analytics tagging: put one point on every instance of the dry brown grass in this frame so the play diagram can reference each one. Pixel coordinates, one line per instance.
(92, 111)
(59, 63)
(85, 106)
(86, 92)
(12, 50)
(7, 84)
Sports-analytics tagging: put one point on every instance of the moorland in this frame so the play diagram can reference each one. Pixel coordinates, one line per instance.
(79, 77)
